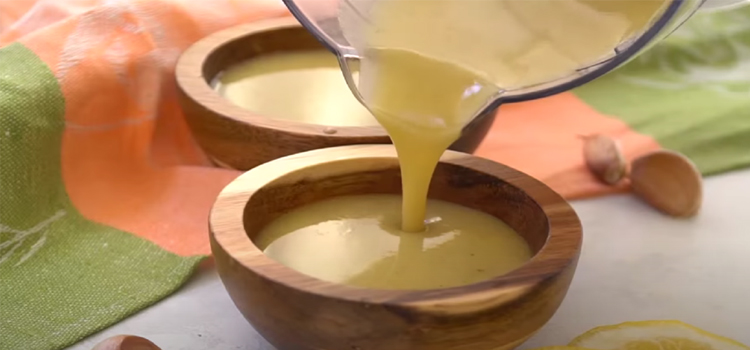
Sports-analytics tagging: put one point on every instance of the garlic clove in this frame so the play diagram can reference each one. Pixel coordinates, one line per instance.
(604, 158)
(668, 181)
(126, 342)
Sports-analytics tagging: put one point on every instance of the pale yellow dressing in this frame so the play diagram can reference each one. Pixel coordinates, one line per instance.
(423, 115)
(426, 71)
(305, 86)
(429, 66)
(513, 43)
(356, 240)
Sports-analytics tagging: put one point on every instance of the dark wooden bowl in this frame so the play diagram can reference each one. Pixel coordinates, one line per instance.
(238, 138)
(295, 312)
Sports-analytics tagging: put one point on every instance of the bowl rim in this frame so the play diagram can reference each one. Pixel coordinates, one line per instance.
(190, 79)
(561, 249)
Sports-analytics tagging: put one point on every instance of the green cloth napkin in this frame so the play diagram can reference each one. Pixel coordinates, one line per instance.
(691, 92)
(62, 277)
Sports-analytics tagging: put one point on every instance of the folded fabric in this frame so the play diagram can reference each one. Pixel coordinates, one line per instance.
(95, 157)
(690, 93)
(105, 195)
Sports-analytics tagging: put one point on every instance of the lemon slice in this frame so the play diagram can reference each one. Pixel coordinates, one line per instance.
(654, 335)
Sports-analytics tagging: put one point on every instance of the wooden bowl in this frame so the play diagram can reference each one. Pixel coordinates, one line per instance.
(294, 311)
(239, 138)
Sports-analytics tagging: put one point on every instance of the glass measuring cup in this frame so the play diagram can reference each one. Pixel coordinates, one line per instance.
(321, 18)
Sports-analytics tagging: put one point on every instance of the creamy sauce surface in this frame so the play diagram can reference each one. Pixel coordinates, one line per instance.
(305, 87)
(357, 240)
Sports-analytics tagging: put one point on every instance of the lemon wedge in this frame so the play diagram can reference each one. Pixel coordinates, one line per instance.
(654, 335)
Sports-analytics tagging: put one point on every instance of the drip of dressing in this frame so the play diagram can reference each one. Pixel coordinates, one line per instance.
(423, 104)
(429, 66)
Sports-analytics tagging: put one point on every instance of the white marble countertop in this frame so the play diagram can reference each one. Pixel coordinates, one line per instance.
(636, 264)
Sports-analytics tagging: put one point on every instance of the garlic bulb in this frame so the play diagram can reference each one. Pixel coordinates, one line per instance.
(126, 342)
(604, 158)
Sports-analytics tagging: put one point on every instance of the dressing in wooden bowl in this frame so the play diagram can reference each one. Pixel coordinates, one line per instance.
(294, 310)
(260, 91)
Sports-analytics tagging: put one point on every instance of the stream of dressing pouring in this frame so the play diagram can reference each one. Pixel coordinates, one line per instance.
(428, 67)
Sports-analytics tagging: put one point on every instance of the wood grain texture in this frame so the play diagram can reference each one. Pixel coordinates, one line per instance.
(239, 138)
(294, 311)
